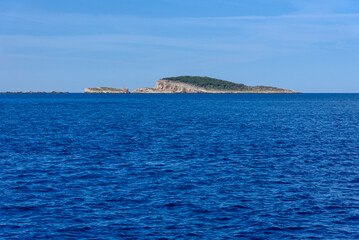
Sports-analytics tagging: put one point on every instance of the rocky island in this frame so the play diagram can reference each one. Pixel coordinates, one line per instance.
(106, 90)
(194, 84)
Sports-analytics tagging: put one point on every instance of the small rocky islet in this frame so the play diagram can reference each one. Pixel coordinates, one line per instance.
(37, 92)
(106, 90)
(193, 84)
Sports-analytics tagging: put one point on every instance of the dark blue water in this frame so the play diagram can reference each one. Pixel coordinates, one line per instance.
(196, 166)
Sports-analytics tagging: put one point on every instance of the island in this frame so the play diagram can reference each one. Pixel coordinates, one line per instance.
(106, 90)
(195, 84)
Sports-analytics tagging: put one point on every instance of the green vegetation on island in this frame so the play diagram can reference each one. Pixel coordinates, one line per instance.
(193, 84)
(218, 85)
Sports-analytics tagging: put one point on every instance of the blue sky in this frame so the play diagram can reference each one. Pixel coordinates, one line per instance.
(68, 45)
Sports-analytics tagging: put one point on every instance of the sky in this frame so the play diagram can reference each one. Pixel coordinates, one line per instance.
(68, 45)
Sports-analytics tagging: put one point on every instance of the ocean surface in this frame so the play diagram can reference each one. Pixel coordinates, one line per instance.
(179, 166)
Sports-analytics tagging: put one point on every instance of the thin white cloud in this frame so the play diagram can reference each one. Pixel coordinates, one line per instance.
(324, 6)
(238, 34)
(111, 42)
(293, 16)
(86, 19)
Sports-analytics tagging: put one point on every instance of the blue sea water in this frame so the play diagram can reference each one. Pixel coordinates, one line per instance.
(179, 166)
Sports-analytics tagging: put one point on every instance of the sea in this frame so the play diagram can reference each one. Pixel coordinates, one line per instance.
(179, 166)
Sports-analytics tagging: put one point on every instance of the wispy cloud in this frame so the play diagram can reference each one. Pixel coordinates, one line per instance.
(108, 42)
(236, 34)
(95, 44)
(324, 6)
(280, 17)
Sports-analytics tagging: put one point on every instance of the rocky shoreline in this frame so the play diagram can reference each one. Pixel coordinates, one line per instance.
(196, 86)
(181, 84)
(168, 86)
(106, 90)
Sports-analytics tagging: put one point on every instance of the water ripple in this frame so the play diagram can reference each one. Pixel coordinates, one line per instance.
(195, 166)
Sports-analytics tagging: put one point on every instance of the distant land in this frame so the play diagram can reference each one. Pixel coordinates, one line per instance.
(184, 84)
(194, 84)
(33, 92)
(106, 90)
